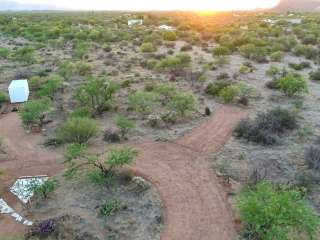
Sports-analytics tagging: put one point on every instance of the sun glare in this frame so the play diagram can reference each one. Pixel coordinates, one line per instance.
(193, 5)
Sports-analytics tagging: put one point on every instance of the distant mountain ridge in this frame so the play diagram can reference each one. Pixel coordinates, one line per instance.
(298, 5)
(16, 6)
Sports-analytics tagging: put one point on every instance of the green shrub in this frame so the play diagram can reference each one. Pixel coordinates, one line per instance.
(3, 97)
(81, 50)
(49, 88)
(293, 84)
(300, 66)
(143, 102)
(267, 127)
(183, 103)
(110, 207)
(73, 151)
(221, 51)
(46, 188)
(33, 112)
(276, 212)
(276, 56)
(315, 75)
(229, 93)
(25, 55)
(82, 69)
(148, 47)
(81, 112)
(215, 88)
(247, 50)
(169, 36)
(78, 130)
(66, 69)
(221, 61)
(4, 53)
(125, 125)
(96, 94)
(244, 69)
(307, 51)
(120, 157)
(167, 91)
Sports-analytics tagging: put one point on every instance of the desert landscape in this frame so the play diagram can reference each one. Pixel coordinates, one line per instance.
(149, 125)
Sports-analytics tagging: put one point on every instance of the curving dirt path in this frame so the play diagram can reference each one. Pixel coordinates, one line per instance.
(196, 206)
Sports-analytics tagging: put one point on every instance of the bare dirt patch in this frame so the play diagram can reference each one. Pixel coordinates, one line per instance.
(196, 205)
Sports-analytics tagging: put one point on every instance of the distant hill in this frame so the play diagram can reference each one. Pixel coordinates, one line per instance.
(15, 6)
(298, 5)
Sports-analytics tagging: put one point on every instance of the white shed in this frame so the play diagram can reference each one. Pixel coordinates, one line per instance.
(19, 91)
(166, 27)
(135, 22)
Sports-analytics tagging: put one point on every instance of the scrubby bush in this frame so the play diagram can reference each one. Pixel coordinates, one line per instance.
(312, 156)
(300, 66)
(73, 151)
(315, 75)
(148, 47)
(166, 91)
(25, 55)
(276, 56)
(3, 97)
(4, 53)
(82, 69)
(229, 93)
(33, 112)
(215, 88)
(244, 69)
(49, 88)
(66, 69)
(267, 127)
(169, 36)
(307, 51)
(276, 212)
(78, 130)
(182, 103)
(81, 50)
(125, 125)
(293, 84)
(143, 102)
(221, 51)
(176, 64)
(46, 188)
(97, 94)
(110, 207)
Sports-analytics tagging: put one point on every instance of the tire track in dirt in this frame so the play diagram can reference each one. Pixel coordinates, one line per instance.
(195, 204)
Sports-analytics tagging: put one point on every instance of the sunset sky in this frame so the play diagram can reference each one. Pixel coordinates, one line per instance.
(158, 5)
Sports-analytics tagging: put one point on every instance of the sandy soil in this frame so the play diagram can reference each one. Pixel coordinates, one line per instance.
(196, 206)
(26, 157)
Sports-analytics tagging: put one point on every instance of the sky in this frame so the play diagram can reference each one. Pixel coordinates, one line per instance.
(157, 4)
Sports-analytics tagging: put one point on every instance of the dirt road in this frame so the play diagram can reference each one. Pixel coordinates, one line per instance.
(196, 206)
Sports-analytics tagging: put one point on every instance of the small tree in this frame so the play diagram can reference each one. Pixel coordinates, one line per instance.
(125, 125)
(33, 112)
(271, 212)
(97, 94)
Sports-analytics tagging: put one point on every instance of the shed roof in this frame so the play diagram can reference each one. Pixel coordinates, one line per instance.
(18, 83)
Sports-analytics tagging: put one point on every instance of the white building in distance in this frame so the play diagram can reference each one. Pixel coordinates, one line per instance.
(133, 22)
